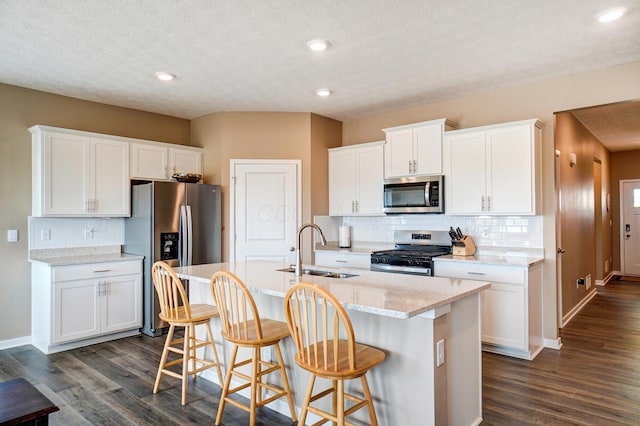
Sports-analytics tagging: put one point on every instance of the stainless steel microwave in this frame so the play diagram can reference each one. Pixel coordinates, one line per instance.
(414, 194)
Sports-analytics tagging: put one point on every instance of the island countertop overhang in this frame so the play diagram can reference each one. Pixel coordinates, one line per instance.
(399, 296)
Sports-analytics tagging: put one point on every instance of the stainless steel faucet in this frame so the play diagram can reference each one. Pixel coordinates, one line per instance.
(323, 241)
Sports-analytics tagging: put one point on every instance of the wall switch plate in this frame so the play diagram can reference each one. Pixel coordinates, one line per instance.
(440, 353)
(12, 235)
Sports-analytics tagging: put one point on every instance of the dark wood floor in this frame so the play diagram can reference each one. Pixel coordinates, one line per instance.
(593, 380)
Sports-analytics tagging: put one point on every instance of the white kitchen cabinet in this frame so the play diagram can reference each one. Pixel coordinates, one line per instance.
(159, 161)
(511, 307)
(493, 170)
(356, 180)
(414, 149)
(78, 174)
(78, 305)
(343, 259)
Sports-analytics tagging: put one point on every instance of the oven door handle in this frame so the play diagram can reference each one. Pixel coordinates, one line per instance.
(401, 269)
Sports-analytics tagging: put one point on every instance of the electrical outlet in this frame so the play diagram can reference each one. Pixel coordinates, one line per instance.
(46, 234)
(440, 353)
(88, 233)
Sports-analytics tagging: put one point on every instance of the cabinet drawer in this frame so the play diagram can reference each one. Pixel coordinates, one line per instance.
(481, 272)
(343, 260)
(95, 270)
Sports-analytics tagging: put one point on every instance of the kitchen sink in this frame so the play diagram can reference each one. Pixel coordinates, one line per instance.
(320, 273)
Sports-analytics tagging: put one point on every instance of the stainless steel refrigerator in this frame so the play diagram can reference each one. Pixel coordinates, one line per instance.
(178, 223)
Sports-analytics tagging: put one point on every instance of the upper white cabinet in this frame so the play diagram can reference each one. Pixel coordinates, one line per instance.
(78, 174)
(415, 149)
(356, 180)
(493, 170)
(160, 161)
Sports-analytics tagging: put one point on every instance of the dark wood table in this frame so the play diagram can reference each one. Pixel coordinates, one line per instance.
(21, 403)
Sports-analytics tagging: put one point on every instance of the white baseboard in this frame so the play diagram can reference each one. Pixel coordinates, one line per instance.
(572, 313)
(552, 343)
(12, 343)
(606, 279)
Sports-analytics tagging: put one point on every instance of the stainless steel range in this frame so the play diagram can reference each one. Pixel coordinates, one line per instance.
(413, 254)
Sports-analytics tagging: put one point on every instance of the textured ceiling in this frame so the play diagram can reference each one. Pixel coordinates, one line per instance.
(617, 126)
(251, 55)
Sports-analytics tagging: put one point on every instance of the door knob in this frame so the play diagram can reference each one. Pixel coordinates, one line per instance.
(292, 248)
(561, 250)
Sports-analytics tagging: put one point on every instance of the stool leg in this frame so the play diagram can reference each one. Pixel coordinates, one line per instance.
(225, 388)
(214, 353)
(192, 351)
(340, 407)
(255, 367)
(334, 400)
(367, 395)
(285, 383)
(307, 399)
(186, 351)
(163, 358)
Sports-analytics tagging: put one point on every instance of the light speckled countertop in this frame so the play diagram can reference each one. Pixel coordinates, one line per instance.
(356, 248)
(80, 255)
(392, 295)
(521, 261)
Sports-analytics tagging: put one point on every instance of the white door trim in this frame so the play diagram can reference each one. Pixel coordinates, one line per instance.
(621, 196)
(232, 195)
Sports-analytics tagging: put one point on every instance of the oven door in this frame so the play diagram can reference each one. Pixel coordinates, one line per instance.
(422, 194)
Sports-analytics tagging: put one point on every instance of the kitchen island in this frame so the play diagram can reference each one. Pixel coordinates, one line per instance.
(406, 316)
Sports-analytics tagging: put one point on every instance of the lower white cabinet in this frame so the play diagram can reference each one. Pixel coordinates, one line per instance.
(511, 308)
(343, 260)
(77, 305)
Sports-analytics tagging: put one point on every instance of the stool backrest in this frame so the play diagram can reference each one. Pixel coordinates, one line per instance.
(318, 322)
(238, 312)
(174, 303)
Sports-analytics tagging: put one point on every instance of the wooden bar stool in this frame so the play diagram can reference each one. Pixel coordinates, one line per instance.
(176, 310)
(242, 326)
(316, 320)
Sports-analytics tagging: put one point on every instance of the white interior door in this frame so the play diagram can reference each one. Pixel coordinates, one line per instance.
(265, 209)
(630, 226)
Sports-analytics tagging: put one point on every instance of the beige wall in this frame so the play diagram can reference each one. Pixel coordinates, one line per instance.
(19, 109)
(624, 165)
(578, 207)
(268, 135)
(537, 100)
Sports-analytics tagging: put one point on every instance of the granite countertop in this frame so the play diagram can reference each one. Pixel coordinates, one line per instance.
(356, 248)
(80, 255)
(392, 295)
(521, 261)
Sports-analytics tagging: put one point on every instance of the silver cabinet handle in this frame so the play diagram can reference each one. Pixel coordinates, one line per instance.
(341, 261)
(488, 203)
(483, 203)
(476, 273)
(101, 270)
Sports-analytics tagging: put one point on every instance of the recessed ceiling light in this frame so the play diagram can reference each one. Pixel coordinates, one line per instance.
(323, 92)
(610, 14)
(165, 76)
(318, 44)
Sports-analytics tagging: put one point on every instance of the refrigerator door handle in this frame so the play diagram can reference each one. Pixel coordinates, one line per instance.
(182, 250)
(189, 234)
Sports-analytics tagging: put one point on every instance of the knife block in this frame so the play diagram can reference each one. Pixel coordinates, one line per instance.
(466, 247)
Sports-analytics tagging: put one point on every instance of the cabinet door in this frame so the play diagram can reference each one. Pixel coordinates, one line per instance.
(65, 174)
(185, 161)
(342, 182)
(109, 178)
(398, 153)
(149, 162)
(121, 304)
(465, 178)
(503, 315)
(427, 149)
(370, 190)
(75, 310)
(510, 170)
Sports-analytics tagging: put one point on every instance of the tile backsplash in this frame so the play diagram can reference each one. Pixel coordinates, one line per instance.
(495, 231)
(63, 232)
